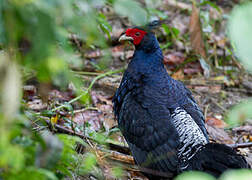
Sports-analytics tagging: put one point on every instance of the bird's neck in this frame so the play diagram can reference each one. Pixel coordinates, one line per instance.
(148, 60)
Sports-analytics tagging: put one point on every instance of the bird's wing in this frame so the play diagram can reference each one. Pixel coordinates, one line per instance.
(149, 132)
(125, 87)
(186, 101)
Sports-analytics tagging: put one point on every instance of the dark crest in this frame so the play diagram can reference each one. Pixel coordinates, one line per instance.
(152, 25)
(156, 24)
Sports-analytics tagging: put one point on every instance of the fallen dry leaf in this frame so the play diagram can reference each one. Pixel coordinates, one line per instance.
(29, 92)
(174, 58)
(90, 116)
(178, 75)
(219, 135)
(247, 128)
(104, 104)
(36, 104)
(215, 122)
(192, 68)
(93, 54)
(196, 37)
(59, 95)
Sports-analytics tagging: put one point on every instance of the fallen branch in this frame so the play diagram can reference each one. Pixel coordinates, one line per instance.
(61, 129)
(114, 155)
(240, 145)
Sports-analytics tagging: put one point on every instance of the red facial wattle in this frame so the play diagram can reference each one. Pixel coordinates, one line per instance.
(136, 34)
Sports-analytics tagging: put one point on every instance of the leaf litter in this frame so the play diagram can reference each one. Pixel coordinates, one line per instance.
(215, 95)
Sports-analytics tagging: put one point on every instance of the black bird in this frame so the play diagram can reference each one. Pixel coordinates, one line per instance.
(159, 118)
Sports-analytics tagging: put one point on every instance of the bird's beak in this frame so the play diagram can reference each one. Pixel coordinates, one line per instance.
(124, 37)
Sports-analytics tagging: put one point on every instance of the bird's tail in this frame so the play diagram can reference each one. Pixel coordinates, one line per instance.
(216, 158)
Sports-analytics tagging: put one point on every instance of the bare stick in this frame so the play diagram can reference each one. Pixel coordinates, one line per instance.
(240, 145)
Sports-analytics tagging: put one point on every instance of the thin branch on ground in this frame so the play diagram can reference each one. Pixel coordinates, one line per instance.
(62, 129)
(83, 110)
(240, 145)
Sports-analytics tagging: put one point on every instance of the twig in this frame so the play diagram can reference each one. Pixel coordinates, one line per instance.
(240, 145)
(89, 88)
(114, 155)
(83, 110)
(62, 129)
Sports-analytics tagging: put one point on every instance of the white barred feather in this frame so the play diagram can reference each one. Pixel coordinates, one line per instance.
(190, 135)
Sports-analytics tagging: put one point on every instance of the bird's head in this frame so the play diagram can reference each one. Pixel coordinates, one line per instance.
(134, 35)
(142, 37)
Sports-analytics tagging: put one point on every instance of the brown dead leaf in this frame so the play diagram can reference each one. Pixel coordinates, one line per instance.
(105, 106)
(219, 135)
(90, 116)
(43, 90)
(192, 68)
(215, 122)
(174, 58)
(206, 88)
(29, 92)
(118, 52)
(178, 75)
(93, 54)
(36, 104)
(59, 95)
(247, 128)
(197, 41)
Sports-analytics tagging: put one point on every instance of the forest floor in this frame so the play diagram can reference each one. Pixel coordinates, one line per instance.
(227, 85)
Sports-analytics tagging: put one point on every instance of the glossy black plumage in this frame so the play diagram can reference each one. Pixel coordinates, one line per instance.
(144, 106)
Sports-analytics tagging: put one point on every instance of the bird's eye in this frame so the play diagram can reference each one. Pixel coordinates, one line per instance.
(137, 34)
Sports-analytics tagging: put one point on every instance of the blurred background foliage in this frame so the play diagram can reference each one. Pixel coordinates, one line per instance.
(35, 42)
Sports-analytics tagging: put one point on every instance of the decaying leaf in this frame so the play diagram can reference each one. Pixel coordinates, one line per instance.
(178, 75)
(219, 135)
(196, 37)
(215, 122)
(195, 29)
(90, 116)
(36, 104)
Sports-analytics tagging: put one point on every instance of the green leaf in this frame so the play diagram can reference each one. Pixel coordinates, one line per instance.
(132, 9)
(86, 99)
(211, 4)
(35, 173)
(240, 113)
(117, 172)
(69, 159)
(11, 156)
(88, 163)
(175, 32)
(104, 25)
(241, 174)
(194, 175)
(2, 29)
(166, 29)
(239, 27)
